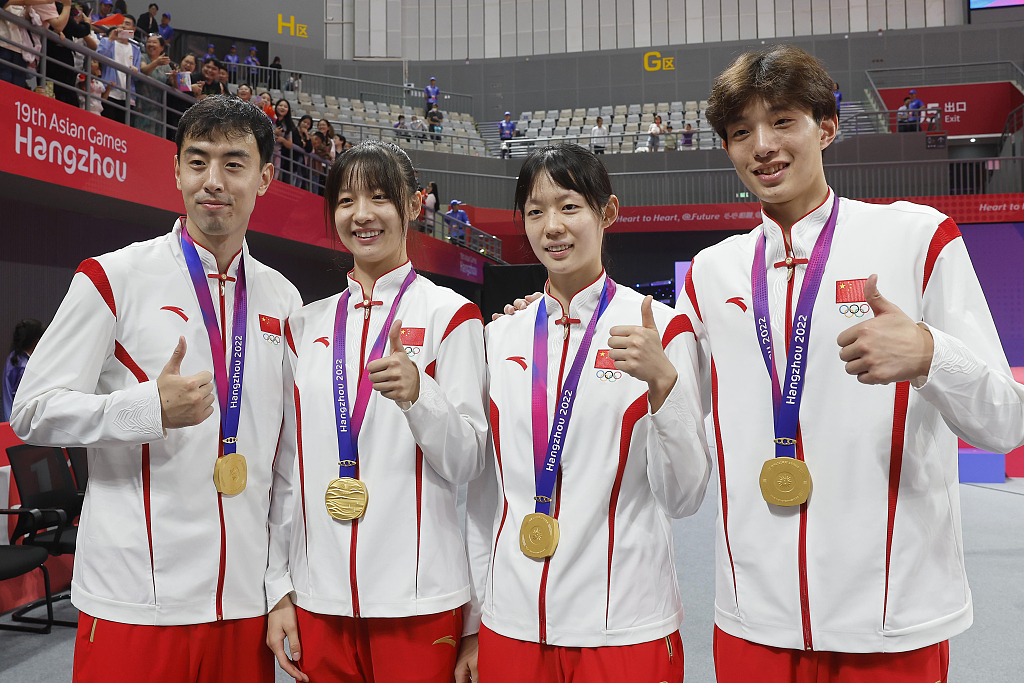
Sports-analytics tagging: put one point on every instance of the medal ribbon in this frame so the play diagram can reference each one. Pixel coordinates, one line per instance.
(348, 430)
(547, 449)
(229, 391)
(787, 406)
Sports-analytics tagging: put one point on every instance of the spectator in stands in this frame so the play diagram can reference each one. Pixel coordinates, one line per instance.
(231, 62)
(209, 53)
(245, 93)
(914, 116)
(286, 138)
(430, 94)
(306, 145)
(157, 65)
(901, 115)
(26, 334)
(148, 23)
(12, 37)
(456, 232)
(166, 32)
(652, 134)
(222, 76)
(507, 131)
(98, 90)
(181, 79)
(434, 118)
(327, 130)
(686, 138)
(253, 61)
(401, 127)
(322, 152)
(430, 204)
(838, 95)
(267, 105)
(211, 83)
(341, 145)
(57, 17)
(118, 46)
(599, 136)
(104, 10)
(274, 79)
(417, 126)
(79, 31)
(294, 83)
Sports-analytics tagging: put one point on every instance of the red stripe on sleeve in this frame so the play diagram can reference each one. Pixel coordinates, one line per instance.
(288, 336)
(501, 478)
(692, 292)
(467, 312)
(678, 325)
(94, 271)
(899, 425)
(129, 362)
(302, 473)
(946, 233)
(633, 414)
(721, 472)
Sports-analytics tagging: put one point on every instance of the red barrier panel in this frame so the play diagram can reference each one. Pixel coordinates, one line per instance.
(967, 108)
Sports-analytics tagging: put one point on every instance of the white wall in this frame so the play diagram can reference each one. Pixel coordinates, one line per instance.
(476, 29)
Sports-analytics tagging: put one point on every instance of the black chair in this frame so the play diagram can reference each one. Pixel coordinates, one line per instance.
(80, 468)
(16, 560)
(45, 484)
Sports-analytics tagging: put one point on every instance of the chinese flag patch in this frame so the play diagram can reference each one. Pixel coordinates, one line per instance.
(413, 336)
(850, 291)
(604, 360)
(270, 325)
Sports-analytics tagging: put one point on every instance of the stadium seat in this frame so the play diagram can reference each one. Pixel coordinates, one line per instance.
(647, 118)
(607, 111)
(648, 109)
(632, 127)
(590, 121)
(619, 118)
(526, 116)
(702, 105)
(532, 132)
(536, 123)
(427, 145)
(633, 118)
(690, 116)
(634, 109)
(574, 130)
(617, 128)
(593, 111)
(560, 131)
(621, 110)
(676, 106)
(275, 93)
(563, 122)
(546, 132)
(550, 123)
(565, 114)
(576, 121)
(579, 111)
(551, 114)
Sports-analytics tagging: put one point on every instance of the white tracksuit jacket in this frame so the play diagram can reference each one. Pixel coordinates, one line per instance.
(624, 473)
(874, 561)
(153, 528)
(406, 555)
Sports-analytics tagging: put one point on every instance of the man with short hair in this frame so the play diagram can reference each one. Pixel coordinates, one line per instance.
(839, 547)
(210, 53)
(914, 107)
(599, 136)
(456, 232)
(118, 46)
(106, 6)
(434, 118)
(148, 22)
(166, 359)
(211, 83)
(902, 116)
(507, 131)
(253, 61)
(166, 32)
(231, 61)
(430, 93)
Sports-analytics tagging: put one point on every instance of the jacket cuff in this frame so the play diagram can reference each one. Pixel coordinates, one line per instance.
(430, 404)
(277, 589)
(471, 618)
(140, 420)
(950, 356)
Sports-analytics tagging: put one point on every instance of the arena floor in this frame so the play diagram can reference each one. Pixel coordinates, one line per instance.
(991, 651)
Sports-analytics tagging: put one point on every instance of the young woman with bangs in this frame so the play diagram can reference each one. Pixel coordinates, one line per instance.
(368, 573)
(597, 443)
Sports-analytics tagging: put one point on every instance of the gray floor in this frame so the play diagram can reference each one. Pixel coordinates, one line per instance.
(992, 651)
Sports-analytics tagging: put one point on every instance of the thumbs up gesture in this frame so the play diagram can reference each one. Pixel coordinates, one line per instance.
(184, 401)
(888, 348)
(396, 376)
(638, 351)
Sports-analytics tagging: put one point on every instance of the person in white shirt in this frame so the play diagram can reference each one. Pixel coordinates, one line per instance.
(385, 419)
(839, 541)
(121, 49)
(570, 529)
(599, 137)
(652, 134)
(166, 361)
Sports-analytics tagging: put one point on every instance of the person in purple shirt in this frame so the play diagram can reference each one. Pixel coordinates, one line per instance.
(26, 334)
(165, 27)
(231, 58)
(431, 92)
(456, 231)
(507, 131)
(209, 53)
(252, 60)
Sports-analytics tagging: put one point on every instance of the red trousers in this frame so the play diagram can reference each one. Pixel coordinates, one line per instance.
(233, 650)
(420, 649)
(506, 660)
(740, 661)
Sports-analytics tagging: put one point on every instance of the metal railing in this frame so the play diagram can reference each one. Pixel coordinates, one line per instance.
(943, 74)
(440, 141)
(1011, 142)
(352, 88)
(894, 121)
(619, 143)
(443, 227)
(157, 115)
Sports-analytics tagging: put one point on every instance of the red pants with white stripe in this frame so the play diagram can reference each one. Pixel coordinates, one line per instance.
(419, 649)
(741, 661)
(506, 660)
(232, 650)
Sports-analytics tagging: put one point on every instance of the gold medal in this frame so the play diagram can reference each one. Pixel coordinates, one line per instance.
(538, 537)
(229, 474)
(346, 498)
(785, 482)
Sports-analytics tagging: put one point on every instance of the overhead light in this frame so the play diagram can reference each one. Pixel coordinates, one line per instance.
(972, 139)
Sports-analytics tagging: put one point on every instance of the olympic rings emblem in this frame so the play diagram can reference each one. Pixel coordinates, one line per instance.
(412, 350)
(272, 338)
(608, 375)
(852, 310)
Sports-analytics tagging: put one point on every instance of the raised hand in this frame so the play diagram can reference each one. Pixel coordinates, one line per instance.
(518, 305)
(281, 623)
(888, 348)
(465, 665)
(637, 350)
(184, 401)
(396, 376)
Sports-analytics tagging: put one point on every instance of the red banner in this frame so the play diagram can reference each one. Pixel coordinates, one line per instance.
(967, 109)
(53, 142)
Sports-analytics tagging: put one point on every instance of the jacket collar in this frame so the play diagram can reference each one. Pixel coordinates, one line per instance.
(206, 256)
(385, 288)
(583, 303)
(803, 235)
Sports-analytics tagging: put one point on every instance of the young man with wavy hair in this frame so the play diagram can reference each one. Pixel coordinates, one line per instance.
(839, 549)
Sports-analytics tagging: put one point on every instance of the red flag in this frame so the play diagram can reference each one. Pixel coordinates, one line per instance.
(604, 360)
(270, 325)
(110, 20)
(413, 336)
(850, 291)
